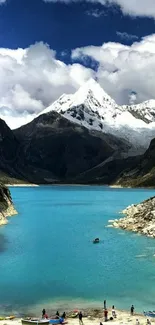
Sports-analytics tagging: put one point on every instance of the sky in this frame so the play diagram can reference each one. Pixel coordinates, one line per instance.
(51, 47)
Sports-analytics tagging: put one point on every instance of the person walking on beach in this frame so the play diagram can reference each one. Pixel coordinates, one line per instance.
(80, 318)
(132, 310)
(105, 315)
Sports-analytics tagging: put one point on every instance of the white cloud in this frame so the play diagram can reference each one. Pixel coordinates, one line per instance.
(123, 69)
(126, 36)
(132, 98)
(130, 7)
(32, 78)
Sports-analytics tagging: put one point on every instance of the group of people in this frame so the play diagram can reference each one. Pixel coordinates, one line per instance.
(80, 315)
(62, 316)
(57, 316)
(113, 312)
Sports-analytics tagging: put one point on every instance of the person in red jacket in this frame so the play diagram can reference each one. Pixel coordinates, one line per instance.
(105, 315)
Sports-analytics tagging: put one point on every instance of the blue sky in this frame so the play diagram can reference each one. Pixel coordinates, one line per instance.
(50, 47)
(64, 27)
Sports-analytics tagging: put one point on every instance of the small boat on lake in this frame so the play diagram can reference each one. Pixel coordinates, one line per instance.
(149, 313)
(96, 241)
(35, 321)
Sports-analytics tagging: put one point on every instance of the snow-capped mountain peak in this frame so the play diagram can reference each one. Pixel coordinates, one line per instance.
(93, 89)
(90, 98)
(93, 108)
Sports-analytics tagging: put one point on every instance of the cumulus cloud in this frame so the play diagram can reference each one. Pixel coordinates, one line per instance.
(124, 69)
(32, 78)
(129, 7)
(126, 36)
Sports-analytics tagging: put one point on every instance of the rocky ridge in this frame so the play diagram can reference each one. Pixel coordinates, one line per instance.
(139, 218)
(6, 205)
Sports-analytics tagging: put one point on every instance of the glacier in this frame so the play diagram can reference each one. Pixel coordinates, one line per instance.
(94, 109)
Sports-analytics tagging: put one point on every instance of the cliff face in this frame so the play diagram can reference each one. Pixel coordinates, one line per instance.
(141, 173)
(139, 218)
(6, 205)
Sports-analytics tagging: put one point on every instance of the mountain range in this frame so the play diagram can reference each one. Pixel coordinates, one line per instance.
(83, 138)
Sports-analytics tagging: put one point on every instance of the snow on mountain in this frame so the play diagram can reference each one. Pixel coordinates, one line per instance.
(91, 95)
(144, 111)
(93, 108)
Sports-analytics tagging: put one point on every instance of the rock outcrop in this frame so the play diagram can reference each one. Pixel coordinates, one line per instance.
(6, 205)
(139, 218)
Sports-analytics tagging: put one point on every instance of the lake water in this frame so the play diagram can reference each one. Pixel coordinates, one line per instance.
(47, 258)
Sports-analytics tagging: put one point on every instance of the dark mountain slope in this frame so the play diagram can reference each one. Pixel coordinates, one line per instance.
(109, 172)
(52, 149)
(142, 173)
(55, 149)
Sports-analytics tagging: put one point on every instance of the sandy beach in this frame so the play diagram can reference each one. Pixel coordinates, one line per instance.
(123, 317)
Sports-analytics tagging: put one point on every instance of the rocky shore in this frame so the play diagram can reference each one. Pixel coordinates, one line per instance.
(6, 205)
(139, 218)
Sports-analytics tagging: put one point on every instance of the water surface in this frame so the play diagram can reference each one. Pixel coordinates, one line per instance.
(47, 258)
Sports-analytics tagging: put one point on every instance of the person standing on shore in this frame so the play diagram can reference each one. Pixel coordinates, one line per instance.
(63, 315)
(57, 314)
(104, 304)
(132, 310)
(80, 318)
(113, 312)
(43, 313)
(105, 315)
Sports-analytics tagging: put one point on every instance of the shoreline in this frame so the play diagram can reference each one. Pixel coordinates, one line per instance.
(22, 185)
(80, 185)
(94, 309)
(94, 317)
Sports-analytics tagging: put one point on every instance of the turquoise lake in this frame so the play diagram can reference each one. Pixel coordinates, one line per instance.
(47, 258)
